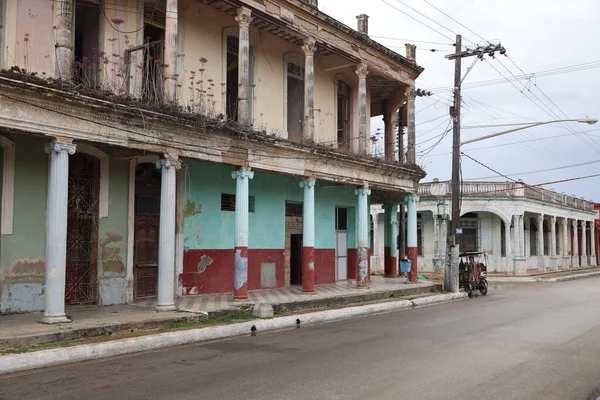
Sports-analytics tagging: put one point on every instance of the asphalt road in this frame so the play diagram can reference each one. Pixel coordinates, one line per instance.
(530, 341)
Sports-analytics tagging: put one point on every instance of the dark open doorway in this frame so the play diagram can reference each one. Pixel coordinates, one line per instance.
(232, 77)
(296, 259)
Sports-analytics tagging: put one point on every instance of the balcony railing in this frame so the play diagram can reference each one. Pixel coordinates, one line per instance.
(504, 189)
(144, 76)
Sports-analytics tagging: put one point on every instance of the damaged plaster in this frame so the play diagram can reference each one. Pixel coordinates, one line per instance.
(205, 261)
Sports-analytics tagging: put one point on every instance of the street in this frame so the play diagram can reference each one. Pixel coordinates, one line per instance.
(525, 341)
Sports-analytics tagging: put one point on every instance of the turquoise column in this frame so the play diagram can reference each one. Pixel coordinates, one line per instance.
(166, 238)
(362, 276)
(56, 232)
(240, 274)
(411, 236)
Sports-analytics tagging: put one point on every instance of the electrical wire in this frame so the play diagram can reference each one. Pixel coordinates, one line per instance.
(415, 19)
(474, 33)
(540, 170)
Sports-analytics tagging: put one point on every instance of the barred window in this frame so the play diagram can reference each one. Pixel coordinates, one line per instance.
(228, 202)
(293, 209)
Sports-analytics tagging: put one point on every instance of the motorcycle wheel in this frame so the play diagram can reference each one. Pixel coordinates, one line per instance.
(483, 286)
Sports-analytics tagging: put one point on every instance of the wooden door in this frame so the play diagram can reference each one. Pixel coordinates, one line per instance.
(147, 219)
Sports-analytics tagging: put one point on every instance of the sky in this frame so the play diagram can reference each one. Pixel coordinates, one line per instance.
(548, 37)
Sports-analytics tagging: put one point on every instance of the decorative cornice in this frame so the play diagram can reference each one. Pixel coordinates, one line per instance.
(362, 71)
(58, 146)
(243, 173)
(244, 17)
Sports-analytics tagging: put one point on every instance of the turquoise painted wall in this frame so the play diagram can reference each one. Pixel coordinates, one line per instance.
(207, 227)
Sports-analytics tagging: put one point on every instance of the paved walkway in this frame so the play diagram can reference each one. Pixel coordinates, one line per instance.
(24, 329)
(224, 301)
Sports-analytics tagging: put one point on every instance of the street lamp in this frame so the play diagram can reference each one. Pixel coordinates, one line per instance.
(589, 121)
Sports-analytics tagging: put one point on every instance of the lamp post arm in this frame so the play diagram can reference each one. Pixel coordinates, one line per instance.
(513, 130)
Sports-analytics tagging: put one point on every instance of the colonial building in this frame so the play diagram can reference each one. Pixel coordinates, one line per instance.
(182, 147)
(520, 227)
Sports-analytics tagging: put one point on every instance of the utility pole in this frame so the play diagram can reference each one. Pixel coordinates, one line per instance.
(451, 283)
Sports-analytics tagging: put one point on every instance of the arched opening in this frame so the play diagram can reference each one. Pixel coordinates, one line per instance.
(533, 232)
(546, 236)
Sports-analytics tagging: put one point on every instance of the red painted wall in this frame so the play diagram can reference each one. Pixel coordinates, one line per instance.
(352, 260)
(218, 276)
(324, 266)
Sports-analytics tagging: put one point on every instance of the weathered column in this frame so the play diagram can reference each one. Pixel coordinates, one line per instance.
(410, 145)
(412, 245)
(362, 73)
(584, 260)
(171, 27)
(522, 236)
(565, 246)
(552, 252)
(240, 274)
(540, 243)
(592, 244)
(56, 231)
(507, 243)
(362, 274)
(308, 236)
(244, 19)
(63, 17)
(166, 238)
(393, 222)
(575, 255)
(390, 137)
(309, 49)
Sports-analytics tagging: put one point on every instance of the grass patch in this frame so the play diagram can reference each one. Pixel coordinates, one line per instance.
(235, 317)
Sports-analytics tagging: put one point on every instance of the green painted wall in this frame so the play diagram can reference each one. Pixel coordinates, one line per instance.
(29, 224)
(207, 227)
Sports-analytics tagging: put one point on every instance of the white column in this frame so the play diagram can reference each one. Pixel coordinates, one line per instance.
(508, 244)
(309, 49)
(166, 238)
(411, 132)
(593, 261)
(308, 236)
(362, 73)
(244, 19)
(63, 19)
(575, 255)
(565, 247)
(362, 278)
(521, 229)
(553, 260)
(56, 232)
(584, 253)
(240, 275)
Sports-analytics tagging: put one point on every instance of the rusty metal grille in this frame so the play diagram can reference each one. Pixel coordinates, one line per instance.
(82, 230)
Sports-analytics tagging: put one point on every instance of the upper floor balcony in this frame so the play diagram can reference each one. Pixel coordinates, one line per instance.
(507, 189)
(279, 67)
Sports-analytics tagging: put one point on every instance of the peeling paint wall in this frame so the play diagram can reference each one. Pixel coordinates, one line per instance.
(112, 237)
(22, 267)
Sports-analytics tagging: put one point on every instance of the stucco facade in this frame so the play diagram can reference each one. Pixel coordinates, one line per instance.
(520, 228)
(182, 147)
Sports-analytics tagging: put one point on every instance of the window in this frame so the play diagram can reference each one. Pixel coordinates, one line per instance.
(341, 219)
(294, 85)
(293, 209)
(343, 115)
(231, 45)
(87, 36)
(228, 202)
(419, 235)
(556, 231)
(533, 250)
(546, 233)
(469, 240)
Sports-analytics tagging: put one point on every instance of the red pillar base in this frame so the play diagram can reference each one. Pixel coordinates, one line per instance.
(412, 253)
(386, 261)
(240, 274)
(362, 275)
(308, 269)
(393, 270)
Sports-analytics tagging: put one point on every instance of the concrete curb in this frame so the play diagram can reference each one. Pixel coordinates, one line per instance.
(533, 279)
(45, 358)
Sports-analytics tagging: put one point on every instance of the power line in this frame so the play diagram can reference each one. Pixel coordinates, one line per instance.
(415, 19)
(474, 33)
(540, 170)
(410, 40)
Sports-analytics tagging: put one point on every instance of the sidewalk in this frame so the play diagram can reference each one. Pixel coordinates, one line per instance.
(24, 330)
(554, 276)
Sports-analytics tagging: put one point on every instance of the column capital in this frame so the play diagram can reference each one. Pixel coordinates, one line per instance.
(169, 162)
(244, 17)
(540, 217)
(410, 93)
(243, 173)
(362, 71)
(310, 46)
(308, 183)
(553, 219)
(411, 198)
(574, 223)
(58, 146)
(363, 191)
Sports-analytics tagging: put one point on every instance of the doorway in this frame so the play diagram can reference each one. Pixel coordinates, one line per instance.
(87, 36)
(295, 101)
(341, 243)
(232, 77)
(146, 232)
(295, 259)
(154, 41)
(81, 285)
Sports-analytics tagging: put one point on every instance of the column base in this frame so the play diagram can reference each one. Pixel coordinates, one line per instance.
(305, 292)
(55, 319)
(166, 307)
(553, 265)
(565, 263)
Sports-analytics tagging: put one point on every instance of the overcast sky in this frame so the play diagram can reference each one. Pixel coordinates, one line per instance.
(538, 36)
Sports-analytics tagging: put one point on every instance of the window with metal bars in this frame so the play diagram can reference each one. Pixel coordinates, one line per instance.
(293, 209)
(228, 202)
